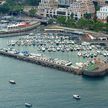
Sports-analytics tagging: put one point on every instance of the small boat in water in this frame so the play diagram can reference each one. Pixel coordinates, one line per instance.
(76, 96)
(12, 82)
(28, 105)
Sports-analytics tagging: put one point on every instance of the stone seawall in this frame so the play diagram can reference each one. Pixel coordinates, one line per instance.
(102, 71)
(43, 63)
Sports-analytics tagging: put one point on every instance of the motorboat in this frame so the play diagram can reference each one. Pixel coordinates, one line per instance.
(76, 96)
(12, 82)
(28, 105)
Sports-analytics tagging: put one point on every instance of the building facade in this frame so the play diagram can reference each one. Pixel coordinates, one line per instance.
(49, 8)
(46, 5)
(101, 2)
(81, 7)
(57, 12)
(102, 14)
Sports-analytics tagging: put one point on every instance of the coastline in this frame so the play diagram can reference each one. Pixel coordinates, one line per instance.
(47, 62)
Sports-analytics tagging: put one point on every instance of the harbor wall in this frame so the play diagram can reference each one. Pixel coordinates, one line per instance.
(44, 63)
(102, 71)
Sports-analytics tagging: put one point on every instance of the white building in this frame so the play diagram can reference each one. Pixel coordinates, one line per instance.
(81, 7)
(49, 8)
(46, 5)
(57, 12)
(102, 14)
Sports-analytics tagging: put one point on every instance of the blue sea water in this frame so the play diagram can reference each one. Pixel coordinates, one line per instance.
(47, 88)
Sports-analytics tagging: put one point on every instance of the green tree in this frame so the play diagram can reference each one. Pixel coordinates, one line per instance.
(4, 8)
(107, 19)
(72, 15)
(32, 12)
(81, 23)
(87, 15)
(96, 4)
(70, 23)
(98, 26)
(61, 20)
(11, 6)
(32, 2)
(50, 21)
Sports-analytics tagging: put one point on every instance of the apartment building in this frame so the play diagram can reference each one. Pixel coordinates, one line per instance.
(45, 5)
(102, 14)
(101, 2)
(49, 8)
(80, 7)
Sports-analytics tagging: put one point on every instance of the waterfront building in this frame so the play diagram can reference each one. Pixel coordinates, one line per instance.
(88, 5)
(57, 12)
(45, 5)
(100, 2)
(49, 8)
(81, 7)
(102, 14)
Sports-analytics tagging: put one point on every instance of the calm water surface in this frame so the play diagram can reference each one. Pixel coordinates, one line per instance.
(47, 88)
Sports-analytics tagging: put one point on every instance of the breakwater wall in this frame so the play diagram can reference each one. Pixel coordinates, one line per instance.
(43, 62)
(101, 71)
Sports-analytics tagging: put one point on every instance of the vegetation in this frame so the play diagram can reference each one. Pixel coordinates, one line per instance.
(96, 4)
(32, 12)
(87, 15)
(83, 23)
(11, 7)
(16, 6)
(32, 2)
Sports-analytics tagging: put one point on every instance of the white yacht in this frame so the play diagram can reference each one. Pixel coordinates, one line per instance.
(28, 105)
(76, 96)
(12, 82)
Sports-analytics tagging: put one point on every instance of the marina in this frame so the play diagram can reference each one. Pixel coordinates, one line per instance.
(45, 48)
(53, 54)
(47, 45)
(41, 63)
(40, 85)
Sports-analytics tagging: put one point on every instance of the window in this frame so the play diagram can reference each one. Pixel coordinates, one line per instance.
(62, 13)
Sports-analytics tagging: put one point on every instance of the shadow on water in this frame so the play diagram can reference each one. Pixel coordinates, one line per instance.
(94, 78)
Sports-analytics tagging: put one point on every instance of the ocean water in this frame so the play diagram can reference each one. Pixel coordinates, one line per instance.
(47, 88)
